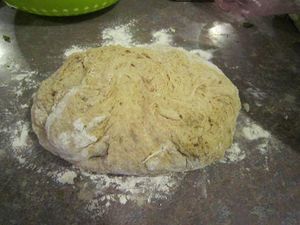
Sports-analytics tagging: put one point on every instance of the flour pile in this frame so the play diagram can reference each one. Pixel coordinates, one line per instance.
(119, 35)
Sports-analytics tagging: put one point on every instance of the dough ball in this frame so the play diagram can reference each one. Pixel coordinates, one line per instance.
(136, 111)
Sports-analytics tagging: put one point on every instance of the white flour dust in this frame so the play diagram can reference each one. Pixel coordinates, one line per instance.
(10, 64)
(24, 106)
(73, 49)
(249, 131)
(140, 190)
(263, 147)
(258, 94)
(66, 177)
(205, 54)
(233, 154)
(20, 140)
(25, 80)
(21, 135)
(122, 35)
(163, 36)
(246, 107)
(253, 131)
(17, 131)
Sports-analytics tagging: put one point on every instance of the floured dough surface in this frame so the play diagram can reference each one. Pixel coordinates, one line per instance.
(136, 111)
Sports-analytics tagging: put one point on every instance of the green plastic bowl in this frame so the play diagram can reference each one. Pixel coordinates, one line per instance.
(59, 7)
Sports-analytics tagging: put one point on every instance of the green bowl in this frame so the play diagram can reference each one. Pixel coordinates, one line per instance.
(59, 7)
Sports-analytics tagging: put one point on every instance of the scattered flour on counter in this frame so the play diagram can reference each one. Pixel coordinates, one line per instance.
(20, 135)
(3, 130)
(11, 64)
(205, 54)
(19, 92)
(22, 76)
(256, 92)
(66, 177)
(253, 131)
(163, 36)
(233, 154)
(246, 107)
(123, 199)
(3, 85)
(20, 141)
(263, 139)
(73, 49)
(26, 76)
(121, 189)
(122, 35)
(263, 147)
(24, 106)
(21, 159)
(7, 112)
(25, 81)
(119, 35)
(17, 131)
(257, 3)
(13, 67)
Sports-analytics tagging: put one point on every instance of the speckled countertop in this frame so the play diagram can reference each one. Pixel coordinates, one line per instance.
(261, 187)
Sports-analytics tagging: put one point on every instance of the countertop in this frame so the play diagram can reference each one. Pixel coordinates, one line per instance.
(262, 59)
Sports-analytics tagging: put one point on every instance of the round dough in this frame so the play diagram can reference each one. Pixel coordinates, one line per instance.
(136, 111)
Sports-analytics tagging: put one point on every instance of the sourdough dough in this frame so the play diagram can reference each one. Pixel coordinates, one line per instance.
(136, 111)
